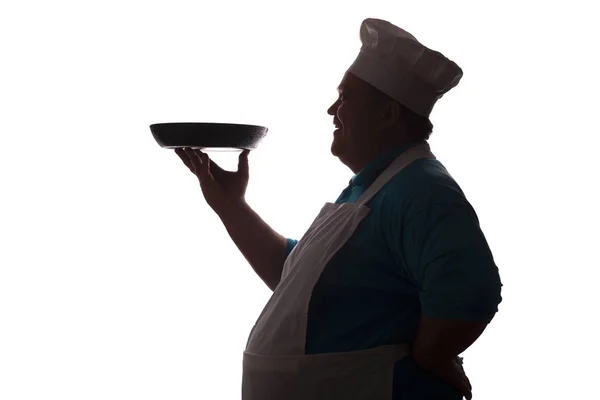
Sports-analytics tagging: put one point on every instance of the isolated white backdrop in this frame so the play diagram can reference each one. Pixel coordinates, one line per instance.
(118, 282)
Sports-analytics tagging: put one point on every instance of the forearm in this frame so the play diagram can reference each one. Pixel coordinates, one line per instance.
(262, 247)
(439, 341)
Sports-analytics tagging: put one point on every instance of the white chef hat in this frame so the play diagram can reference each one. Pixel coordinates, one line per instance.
(393, 61)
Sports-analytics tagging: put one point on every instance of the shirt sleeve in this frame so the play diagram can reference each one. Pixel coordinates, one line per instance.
(290, 244)
(449, 258)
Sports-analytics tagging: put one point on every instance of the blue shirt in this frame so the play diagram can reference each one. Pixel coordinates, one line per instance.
(420, 250)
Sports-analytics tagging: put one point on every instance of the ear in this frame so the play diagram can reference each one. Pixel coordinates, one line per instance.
(392, 114)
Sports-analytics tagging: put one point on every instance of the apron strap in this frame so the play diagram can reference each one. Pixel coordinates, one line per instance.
(402, 161)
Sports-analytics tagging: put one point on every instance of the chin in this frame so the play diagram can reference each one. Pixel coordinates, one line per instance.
(335, 148)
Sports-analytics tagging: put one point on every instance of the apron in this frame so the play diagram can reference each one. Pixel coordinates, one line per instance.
(275, 366)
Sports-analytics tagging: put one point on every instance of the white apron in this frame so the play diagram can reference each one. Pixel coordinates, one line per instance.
(275, 366)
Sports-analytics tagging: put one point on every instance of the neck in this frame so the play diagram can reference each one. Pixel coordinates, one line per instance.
(376, 150)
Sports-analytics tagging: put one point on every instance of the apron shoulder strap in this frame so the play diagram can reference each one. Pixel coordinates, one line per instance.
(396, 166)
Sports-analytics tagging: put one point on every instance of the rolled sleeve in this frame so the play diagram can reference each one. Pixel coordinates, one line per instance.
(290, 244)
(452, 263)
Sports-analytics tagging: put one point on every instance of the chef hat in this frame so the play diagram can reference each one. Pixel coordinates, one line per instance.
(393, 61)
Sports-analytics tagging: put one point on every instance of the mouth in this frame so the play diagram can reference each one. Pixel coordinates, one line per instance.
(338, 126)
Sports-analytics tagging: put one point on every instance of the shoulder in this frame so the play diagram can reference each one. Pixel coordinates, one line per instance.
(423, 185)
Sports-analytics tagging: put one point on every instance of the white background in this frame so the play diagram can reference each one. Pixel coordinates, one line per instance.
(118, 282)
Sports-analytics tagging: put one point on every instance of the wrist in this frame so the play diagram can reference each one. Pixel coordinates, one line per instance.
(431, 364)
(231, 209)
(444, 370)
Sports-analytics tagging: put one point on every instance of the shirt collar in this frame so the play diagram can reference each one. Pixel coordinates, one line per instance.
(371, 171)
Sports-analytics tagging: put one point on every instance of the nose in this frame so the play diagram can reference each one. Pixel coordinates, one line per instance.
(333, 109)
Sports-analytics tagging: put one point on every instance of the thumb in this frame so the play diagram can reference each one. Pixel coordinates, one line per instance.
(243, 163)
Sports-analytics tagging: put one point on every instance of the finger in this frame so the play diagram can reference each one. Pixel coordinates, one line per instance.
(464, 391)
(467, 389)
(243, 167)
(214, 168)
(195, 161)
(205, 170)
(466, 382)
(186, 160)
